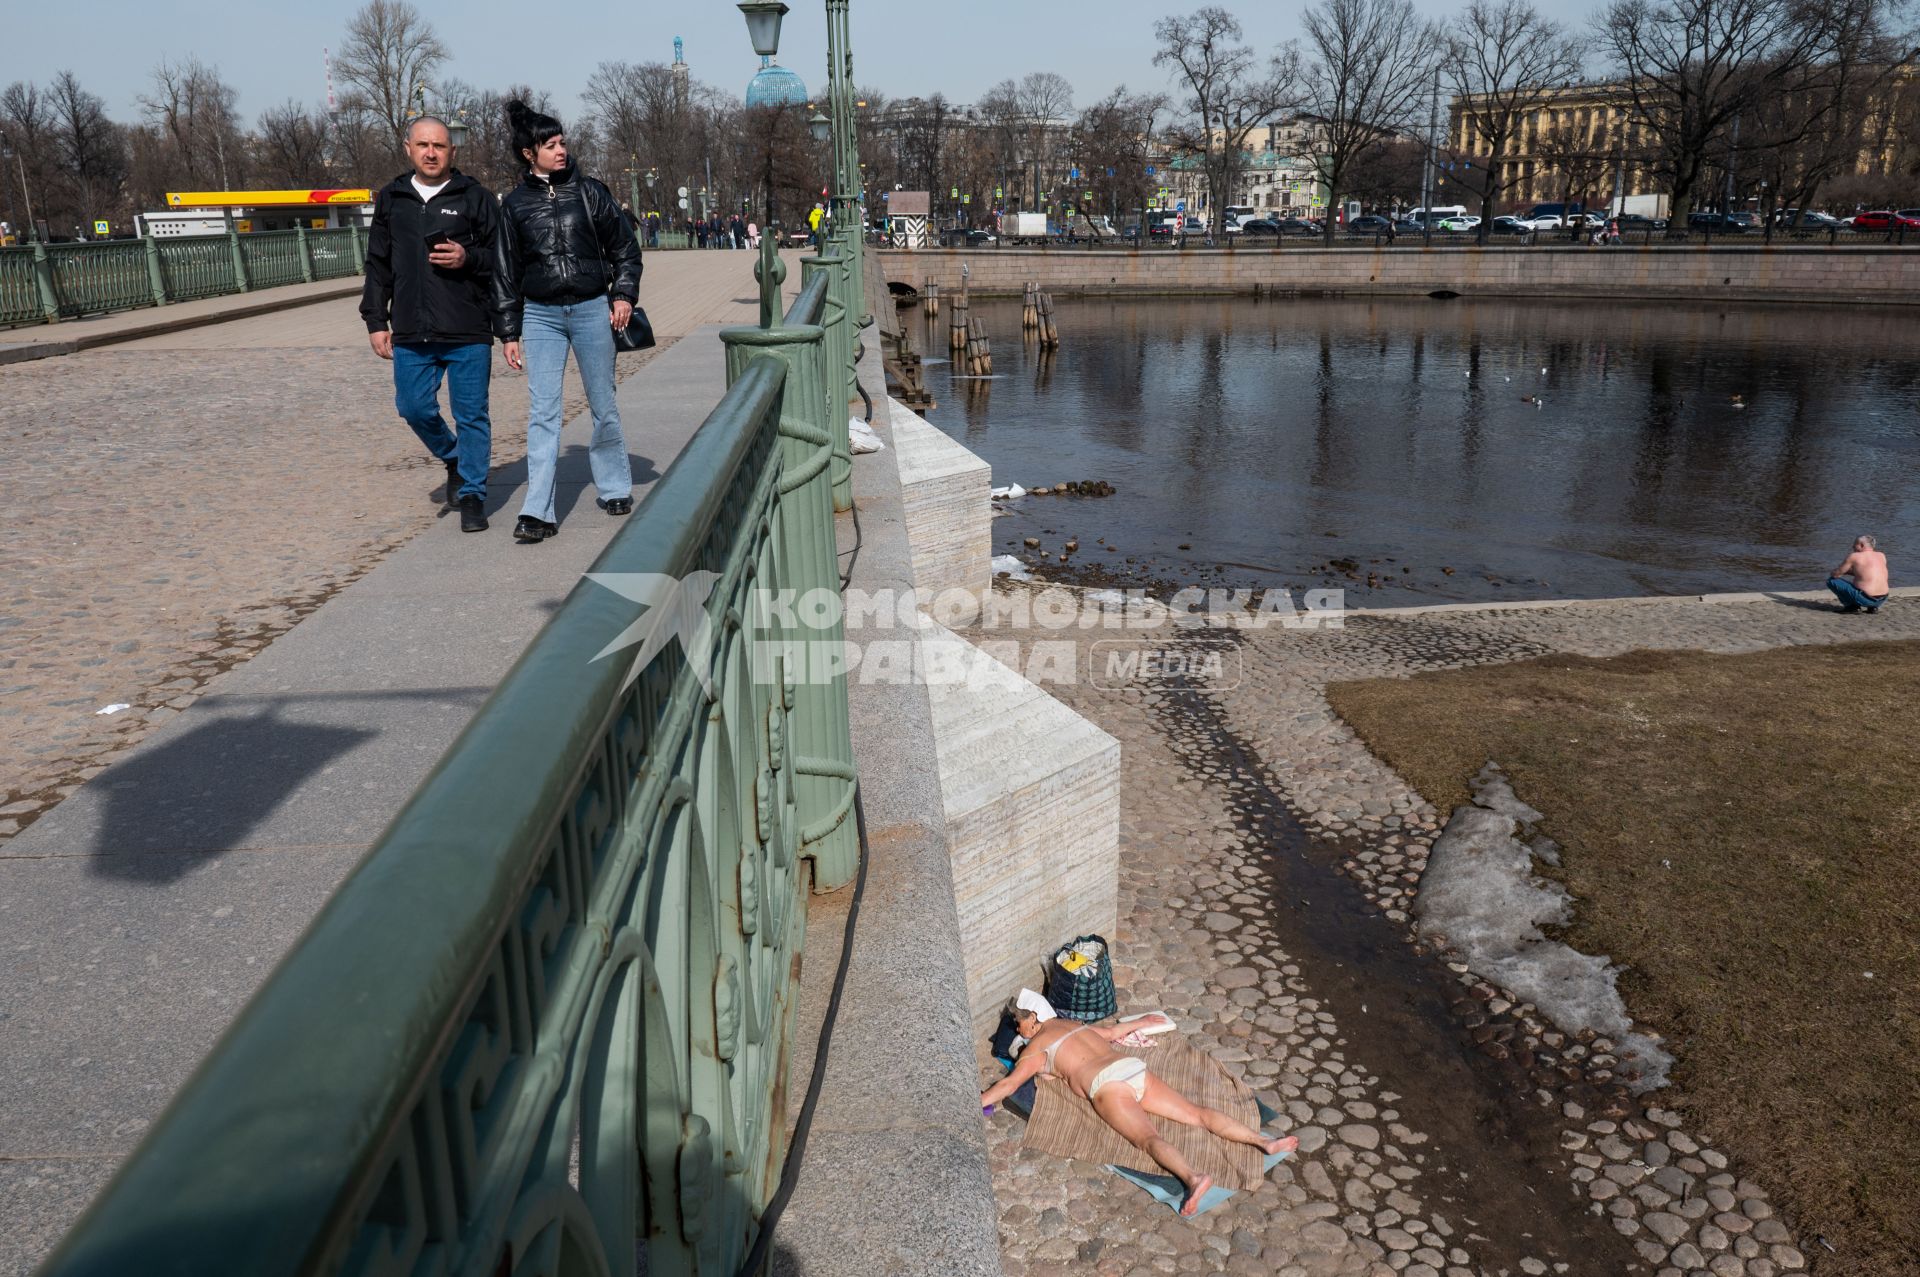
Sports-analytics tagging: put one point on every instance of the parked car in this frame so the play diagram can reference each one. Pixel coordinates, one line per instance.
(1459, 222)
(1369, 224)
(1885, 220)
(1631, 222)
(1544, 222)
(1720, 223)
(1808, 221)
(1289, 227)
(1509, 225)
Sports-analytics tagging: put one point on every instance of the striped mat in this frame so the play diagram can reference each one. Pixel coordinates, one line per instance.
(1065, 1125)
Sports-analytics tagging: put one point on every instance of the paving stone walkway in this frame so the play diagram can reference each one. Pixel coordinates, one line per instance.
(1445, 1128)
(139, 912)
(178, 501)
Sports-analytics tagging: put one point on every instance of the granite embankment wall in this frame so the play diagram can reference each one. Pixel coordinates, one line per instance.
(1876, 276)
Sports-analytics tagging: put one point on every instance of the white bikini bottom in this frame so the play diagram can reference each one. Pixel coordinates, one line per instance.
(1127, 1070)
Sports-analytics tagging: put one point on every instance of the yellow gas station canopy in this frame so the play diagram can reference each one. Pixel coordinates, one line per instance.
(265, 199)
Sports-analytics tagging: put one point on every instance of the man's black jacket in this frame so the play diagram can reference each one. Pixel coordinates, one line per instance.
(562, 241)
(419, 301)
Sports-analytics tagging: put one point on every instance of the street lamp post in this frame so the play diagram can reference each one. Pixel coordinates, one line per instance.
(840, 254)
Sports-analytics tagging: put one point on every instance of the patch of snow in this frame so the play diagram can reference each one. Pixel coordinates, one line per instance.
(1480, 891)
(1012, 566)
(862, 436)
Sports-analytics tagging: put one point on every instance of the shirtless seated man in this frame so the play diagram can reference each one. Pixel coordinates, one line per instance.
(1861, 579)
(1122, 1091)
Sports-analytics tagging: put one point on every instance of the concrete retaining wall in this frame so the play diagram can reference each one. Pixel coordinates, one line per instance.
(1876, 276)
(1032, 798)
(949, 515)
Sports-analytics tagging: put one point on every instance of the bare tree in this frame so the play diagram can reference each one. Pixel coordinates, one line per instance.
(1499, 58)
(1388, 173)
(387, 57)
(92, 151)
(1842, 114)
(192, 110)
(1113, 140)
(1580, 157)
(26, 125)
(1043, 99)
(1694, 67)
(1229, 93)
(292, 146)
(1365, 79)
(1000, 120)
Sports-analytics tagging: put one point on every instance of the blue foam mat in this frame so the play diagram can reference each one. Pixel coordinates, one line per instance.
(1170, 1192)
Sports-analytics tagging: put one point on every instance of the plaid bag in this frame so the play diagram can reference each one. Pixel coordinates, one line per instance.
(1086, 994)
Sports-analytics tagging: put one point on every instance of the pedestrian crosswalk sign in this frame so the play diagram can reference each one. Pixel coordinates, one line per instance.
(103, 228)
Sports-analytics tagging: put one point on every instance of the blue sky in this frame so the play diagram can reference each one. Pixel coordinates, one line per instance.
(272, 52)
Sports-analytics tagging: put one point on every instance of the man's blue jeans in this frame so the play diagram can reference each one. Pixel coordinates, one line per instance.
(546, 334)
(1850, 596)
(468, 368)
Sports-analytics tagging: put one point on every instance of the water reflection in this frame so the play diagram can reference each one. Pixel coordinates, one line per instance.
(1537, 450)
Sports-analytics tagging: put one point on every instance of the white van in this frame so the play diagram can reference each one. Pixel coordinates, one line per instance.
(1437, 212)
(1235, 215)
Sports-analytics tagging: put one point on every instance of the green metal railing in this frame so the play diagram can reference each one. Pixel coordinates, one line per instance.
(543, 1027)
(41, 283)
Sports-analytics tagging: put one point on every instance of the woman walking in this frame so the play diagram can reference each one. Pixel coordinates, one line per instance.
(568, 275)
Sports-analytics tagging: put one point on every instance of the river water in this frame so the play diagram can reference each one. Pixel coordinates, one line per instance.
(1389, 446)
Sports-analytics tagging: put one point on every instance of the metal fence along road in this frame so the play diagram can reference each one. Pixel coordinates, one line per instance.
(1344, 239)
(544, 1026)
(41, 283)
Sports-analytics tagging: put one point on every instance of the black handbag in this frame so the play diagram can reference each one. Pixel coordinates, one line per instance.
(638, 334)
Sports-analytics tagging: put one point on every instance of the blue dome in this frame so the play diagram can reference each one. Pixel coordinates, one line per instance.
(775, 86)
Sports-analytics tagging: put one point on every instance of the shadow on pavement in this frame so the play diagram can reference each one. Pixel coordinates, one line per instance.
(1809, 605)
(506, 483)
(295, 770)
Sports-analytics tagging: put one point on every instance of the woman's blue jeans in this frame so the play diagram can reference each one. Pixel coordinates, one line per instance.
(546, 334)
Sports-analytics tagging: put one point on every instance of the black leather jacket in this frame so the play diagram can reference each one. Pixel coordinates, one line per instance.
(419, 301)
(562, 241)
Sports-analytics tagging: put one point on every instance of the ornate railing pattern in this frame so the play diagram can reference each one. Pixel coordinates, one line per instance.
(543, 1027)
(40, 283)
(274, 258)
(95, 277)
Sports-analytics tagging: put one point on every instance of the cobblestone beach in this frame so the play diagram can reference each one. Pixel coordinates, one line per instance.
(1471, 1139)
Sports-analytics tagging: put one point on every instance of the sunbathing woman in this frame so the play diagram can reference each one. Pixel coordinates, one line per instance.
(1122, 1091)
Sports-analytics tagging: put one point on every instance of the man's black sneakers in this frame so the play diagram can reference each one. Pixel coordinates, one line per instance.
(530, 529)
(473, 514)
(618, 505)
(453, 483)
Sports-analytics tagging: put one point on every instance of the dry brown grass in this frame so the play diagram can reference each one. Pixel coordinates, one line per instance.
(1743, 834)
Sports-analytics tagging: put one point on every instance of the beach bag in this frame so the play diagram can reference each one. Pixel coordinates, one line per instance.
(1080, 980)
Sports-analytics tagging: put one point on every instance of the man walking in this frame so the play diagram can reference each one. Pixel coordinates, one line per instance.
(427, 308)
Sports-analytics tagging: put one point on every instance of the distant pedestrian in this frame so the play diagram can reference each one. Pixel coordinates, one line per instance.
(569, 275)
(1861, 581)
(813, 225)
(428, 308)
